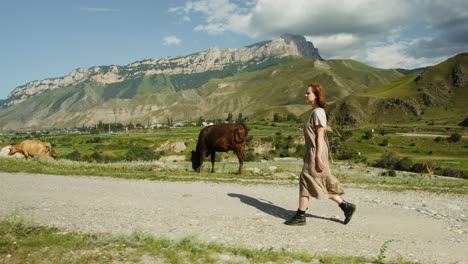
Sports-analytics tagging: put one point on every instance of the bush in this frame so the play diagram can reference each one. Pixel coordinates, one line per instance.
(94, 140)
(140, 153)
(346, 135)
(464, 123)
(405, 164)
(388, 160)
(368, 135)
(452, 173)
(454, 138)
(389, 173)
(251, 156)
(75, 155)
(384, 142)
(95, 157)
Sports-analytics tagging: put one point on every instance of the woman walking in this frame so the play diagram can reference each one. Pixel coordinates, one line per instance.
(316, 179)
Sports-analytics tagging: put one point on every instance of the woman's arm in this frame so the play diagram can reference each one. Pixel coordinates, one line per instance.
(319, 167)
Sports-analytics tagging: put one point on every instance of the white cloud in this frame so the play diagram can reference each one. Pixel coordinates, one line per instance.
(383, 33)
(171, 40)
(391, 56)
(329, 45)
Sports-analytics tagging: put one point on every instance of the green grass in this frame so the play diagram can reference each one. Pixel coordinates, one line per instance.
(21, 241)
(400, 88)
(277, 173)
(113, 148)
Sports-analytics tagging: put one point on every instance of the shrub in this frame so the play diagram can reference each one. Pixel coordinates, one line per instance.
(452, 173)
(94, 140)
(405, 164)
(384, 142)
(464, 123)
(95, 157)
(251, 156)
(454, 138)
(368, 135)
(346, 154)
(388, 160)
(140, 153)
(346, 135)
(75, 155)
(390, 173)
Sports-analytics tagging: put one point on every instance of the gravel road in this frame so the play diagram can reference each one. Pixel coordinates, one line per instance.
(424, 227)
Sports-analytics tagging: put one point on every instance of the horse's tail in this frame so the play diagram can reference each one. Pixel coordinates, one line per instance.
(240, 137)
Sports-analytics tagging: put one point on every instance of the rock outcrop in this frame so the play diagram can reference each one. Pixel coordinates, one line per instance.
(209, 60)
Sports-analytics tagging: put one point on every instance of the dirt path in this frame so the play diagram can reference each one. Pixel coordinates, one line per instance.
(424, 227)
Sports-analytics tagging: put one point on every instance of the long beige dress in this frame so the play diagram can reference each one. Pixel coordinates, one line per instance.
(312, 183)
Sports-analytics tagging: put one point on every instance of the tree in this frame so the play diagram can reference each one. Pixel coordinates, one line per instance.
(291, 117)
(277, 117)
(240, 118)
(464, 123)
(454, 138)
(229, 117)
(368, 135)
(169, 121)
(200, 121)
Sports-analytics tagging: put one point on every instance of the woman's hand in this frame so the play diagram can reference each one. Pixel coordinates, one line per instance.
(319, 167)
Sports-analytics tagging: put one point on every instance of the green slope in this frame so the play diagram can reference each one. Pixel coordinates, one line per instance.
(258, 90)
(438, 95)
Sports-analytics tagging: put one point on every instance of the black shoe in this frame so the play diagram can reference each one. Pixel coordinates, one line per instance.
(348, 210)
(297, 219)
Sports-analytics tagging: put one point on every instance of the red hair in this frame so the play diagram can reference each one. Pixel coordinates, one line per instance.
(319, 93)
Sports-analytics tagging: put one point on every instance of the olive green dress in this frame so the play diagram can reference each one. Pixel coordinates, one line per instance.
(312, 183)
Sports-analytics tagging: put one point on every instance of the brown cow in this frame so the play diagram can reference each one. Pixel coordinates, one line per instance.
(221, 138)
(32, 148)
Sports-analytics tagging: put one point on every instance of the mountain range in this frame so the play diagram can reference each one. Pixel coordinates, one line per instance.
(258, 80)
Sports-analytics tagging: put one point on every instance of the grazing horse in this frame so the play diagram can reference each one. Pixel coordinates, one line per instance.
(221, 138)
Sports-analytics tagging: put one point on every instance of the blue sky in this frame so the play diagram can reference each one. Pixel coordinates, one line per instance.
(50, 38)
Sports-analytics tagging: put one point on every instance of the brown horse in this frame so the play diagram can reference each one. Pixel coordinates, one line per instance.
(221, 138)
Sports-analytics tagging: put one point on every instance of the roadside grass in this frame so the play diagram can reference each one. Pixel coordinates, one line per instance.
(281, 172)
(21, 241)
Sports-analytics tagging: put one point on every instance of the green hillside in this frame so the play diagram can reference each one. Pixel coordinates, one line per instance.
(438, 95)
(255, 89)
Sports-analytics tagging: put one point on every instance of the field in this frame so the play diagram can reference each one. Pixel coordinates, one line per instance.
(274, 152)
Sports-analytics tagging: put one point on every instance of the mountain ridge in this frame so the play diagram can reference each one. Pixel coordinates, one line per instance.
(213, 59)
(258, 81)
(256, 94)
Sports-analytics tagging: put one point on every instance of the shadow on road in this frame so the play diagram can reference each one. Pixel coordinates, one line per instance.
(271, 209)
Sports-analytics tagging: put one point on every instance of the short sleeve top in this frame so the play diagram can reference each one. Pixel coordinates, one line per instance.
(319, 117)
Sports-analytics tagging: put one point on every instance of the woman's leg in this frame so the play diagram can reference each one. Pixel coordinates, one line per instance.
(303, 203)
(299, 218)
(348, 208)
(336, 198)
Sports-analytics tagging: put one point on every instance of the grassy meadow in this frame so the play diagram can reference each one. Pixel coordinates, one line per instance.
(382, 159)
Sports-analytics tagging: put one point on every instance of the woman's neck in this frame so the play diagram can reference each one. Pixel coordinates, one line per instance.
(315, 105)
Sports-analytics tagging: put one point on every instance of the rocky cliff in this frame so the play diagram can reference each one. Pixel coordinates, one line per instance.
(208, 60)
